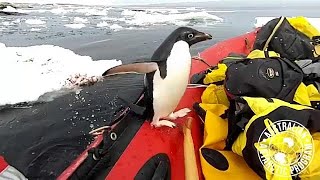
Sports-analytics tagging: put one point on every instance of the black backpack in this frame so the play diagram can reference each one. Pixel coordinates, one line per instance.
(280, 36)
(271, 77)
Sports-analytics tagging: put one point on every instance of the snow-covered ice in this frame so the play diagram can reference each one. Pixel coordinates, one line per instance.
(35, 22)
(75, 26)
(27, 73)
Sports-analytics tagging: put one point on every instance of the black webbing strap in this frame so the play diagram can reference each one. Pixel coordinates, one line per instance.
(237, 120)
(126, 124)
(233, 129)
(113, 149)
(101, 159)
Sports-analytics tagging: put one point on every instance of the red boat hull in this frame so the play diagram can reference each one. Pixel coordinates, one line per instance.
(150, 141)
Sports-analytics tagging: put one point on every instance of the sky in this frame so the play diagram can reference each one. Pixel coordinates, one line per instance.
(138, 2)
(157, 1)
(104, 2)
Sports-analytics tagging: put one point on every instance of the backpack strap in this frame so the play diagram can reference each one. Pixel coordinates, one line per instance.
(316, 42)
(273, 32)
(198, 78)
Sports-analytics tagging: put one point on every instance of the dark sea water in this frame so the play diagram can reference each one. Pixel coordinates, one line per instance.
(103, 43)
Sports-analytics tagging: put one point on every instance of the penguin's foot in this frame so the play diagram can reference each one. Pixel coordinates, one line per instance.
(79, 80)
(181, 113)
(163, 123)
(172, 116)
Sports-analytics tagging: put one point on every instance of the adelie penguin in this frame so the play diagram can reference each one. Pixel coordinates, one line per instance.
(167, 75)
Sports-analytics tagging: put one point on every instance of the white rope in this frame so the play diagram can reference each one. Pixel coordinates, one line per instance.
(199, 58)
(196, 86)
(99, 131)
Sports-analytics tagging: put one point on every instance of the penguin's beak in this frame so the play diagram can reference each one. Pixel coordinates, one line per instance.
(199, 37)
(209, 36)
(203, 36)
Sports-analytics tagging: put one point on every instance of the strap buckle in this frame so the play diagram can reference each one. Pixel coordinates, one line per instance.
(316, 40)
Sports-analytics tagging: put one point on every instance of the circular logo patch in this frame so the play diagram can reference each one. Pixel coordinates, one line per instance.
(285, 148)
(270, 73)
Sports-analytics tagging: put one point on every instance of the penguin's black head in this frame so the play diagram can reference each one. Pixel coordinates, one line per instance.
(191, 36)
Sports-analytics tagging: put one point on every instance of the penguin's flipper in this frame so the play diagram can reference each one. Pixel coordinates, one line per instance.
(141, 67)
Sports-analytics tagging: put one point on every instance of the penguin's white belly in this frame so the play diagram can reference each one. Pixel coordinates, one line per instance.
(168, 92)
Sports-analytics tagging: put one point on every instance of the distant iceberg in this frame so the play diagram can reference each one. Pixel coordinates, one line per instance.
(143, 18)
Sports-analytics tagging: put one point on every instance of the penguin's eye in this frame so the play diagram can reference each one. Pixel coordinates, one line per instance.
(190, 36)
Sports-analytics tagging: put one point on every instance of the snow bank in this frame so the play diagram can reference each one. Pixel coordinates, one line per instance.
(28, 72)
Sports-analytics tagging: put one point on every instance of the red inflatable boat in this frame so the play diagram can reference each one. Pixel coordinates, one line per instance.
(123, 151)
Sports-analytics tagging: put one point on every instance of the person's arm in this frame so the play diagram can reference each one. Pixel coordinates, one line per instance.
(9, 172)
